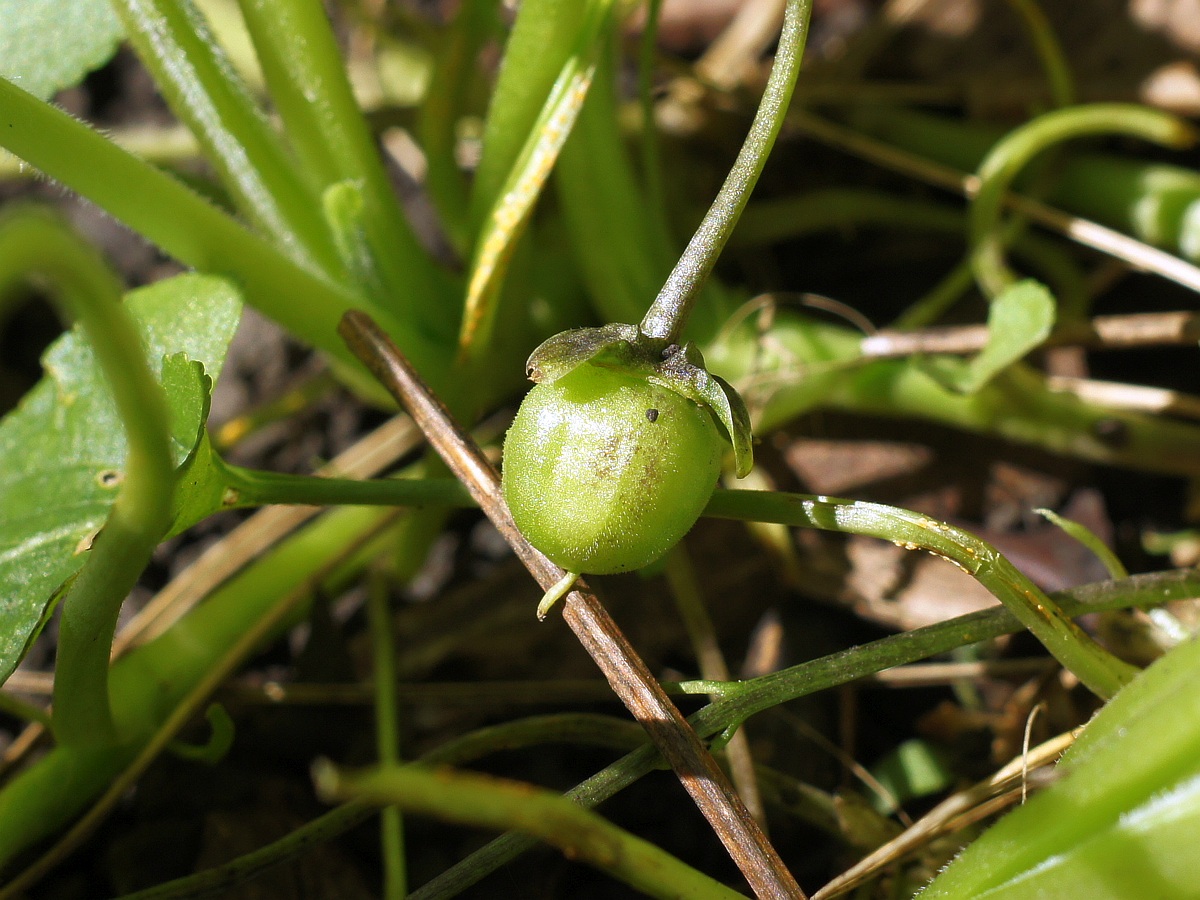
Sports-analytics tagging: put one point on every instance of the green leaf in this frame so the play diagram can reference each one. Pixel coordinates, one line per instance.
(62, 450)
(1089, 539)
(1020, 319)
(1124, 822)
(201, 487)
(917, 768)
(48, 45)
(542, 40)
(684, 372)
(562, 353)
(505, 221)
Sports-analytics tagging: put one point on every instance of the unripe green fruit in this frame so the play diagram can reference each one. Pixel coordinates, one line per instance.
(605, 471)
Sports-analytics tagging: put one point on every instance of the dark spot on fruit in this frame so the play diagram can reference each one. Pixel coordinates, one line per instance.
(109, 478)
(652, 415)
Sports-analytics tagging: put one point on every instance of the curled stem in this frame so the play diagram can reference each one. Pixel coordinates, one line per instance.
(34, 243)
(1102, 672)
(1049, 50)
(667, 315)
(1019, 146)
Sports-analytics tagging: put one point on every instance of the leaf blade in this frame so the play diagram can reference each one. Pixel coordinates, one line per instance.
(64, 447)
(48, 45)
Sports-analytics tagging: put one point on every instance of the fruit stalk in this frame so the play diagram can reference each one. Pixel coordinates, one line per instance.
(668, 314)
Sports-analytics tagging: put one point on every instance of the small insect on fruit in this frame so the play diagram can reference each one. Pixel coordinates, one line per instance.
(610, 460)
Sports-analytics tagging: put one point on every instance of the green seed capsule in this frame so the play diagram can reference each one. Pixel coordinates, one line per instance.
(605, 471)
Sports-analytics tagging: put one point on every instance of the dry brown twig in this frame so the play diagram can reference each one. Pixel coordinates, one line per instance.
(1102, 333)
(586, 616)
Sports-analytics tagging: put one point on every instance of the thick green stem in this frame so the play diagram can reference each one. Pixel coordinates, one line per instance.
(249, 488)
(666, 317)
(491, 802)
(38, 244)
(193, 231)
(1102, 672)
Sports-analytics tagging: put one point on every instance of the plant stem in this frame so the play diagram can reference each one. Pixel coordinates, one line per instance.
(809, 365)
(1049, 51)
(447, 101)
(574, 728)
(1019, 146)
(651, 157)
(748, 698)
(702, 635)
(255, 488)
(387, 733)
(504, 223)
(178, 673)
(180, 640)
(19, 709)
(666, 317)
(326, 128)
(163, 145)
(35, 242)
(192, 230)
(850, 209)
(1089, 234)
(1072, 647)
(1102, 672)
(623, 253)
(486, 801)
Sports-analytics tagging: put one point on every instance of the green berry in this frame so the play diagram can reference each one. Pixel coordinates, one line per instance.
(605, 471)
